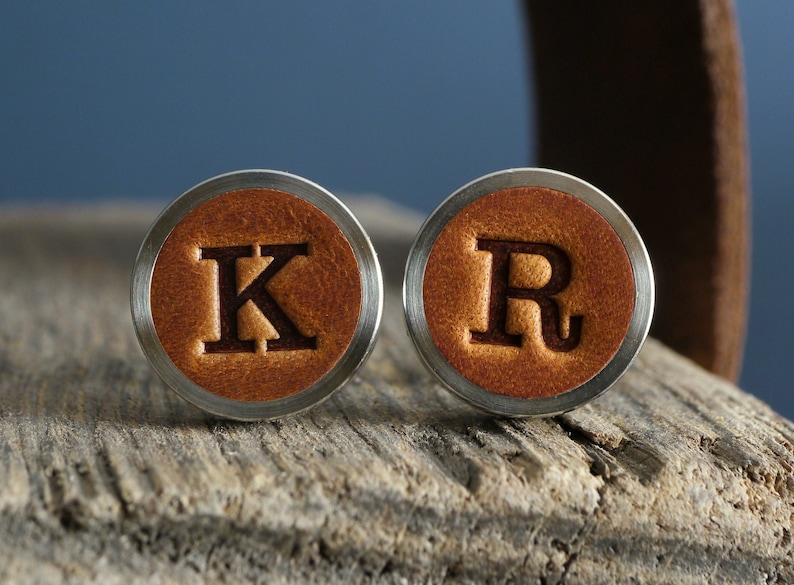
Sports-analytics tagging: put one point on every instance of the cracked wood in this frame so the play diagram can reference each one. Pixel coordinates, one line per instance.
(108, 477)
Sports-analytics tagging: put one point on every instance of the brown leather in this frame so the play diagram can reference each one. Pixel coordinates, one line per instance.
(319, 292)
(645, 100)
(459, 292)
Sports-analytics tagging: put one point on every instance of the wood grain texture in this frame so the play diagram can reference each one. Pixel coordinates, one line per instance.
(674, 476)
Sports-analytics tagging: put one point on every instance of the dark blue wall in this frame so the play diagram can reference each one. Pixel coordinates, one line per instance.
(407, 99)
(767, 30)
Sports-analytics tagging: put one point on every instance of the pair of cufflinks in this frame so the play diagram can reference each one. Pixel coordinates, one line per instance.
(257, 294)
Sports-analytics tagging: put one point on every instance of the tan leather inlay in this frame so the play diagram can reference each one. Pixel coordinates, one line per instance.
(598, 293)
(319, 292)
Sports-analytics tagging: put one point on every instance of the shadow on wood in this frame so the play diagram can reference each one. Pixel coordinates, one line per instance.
(108, 477)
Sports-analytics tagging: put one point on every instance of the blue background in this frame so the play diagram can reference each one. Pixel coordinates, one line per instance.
(409, 100)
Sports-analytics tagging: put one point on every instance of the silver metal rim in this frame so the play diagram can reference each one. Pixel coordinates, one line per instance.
(413, 298)
(371, 301)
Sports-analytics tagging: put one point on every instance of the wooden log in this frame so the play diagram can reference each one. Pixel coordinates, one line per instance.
(674, 476)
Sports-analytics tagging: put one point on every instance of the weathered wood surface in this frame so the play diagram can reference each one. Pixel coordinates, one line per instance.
(674, 476)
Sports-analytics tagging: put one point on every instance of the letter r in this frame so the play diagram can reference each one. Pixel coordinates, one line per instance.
(501, 291)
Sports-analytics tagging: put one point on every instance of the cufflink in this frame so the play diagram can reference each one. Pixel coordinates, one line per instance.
(256, 294)
(528, 292)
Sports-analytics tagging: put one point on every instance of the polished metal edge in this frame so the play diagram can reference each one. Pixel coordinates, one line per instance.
(413, 296)
(371, 302)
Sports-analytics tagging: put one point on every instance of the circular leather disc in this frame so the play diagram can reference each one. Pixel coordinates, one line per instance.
(513, 358)
(528, 292)
(256, 294)
(186, 304)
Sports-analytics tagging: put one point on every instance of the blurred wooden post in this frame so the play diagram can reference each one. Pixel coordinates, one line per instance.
(645, 100)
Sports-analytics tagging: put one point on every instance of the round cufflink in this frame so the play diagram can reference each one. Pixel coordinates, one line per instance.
(256, 294)
(528, 292)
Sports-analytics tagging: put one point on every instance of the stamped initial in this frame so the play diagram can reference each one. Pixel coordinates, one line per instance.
(501, 291)
(232, 301)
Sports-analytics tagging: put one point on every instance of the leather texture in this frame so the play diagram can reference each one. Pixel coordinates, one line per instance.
(320, 292)
(645, 101)
(598, 291)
